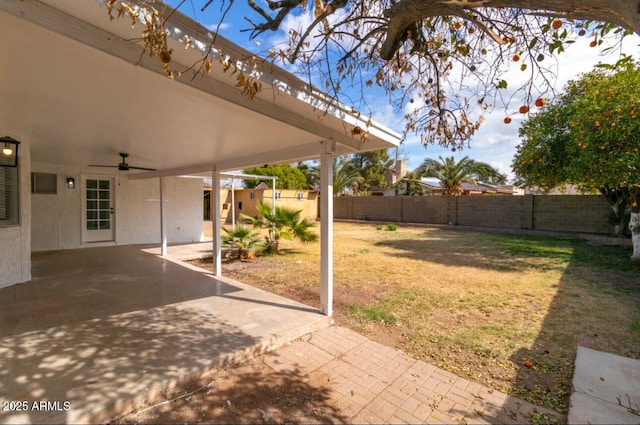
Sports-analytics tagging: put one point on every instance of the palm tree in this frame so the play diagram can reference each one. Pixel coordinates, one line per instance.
(241, 237)
(452, 174)
(345, 175)
(282, 222)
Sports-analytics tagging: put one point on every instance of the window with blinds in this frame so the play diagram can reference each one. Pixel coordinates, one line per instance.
(9, 201)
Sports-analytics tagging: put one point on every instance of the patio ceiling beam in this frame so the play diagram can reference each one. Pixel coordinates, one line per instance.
(296, 153)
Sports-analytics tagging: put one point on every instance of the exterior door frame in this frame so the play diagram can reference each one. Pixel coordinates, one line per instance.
(98, 219)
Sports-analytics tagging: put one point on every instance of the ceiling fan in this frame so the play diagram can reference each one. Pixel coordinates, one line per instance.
(123, 166)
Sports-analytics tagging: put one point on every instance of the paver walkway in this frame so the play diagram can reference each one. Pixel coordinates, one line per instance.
(335, 375)
(373, 383)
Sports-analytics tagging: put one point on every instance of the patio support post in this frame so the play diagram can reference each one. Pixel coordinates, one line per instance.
(273, 204)
(326, 229)
(217, 247)
(233, 204)
(163, 217)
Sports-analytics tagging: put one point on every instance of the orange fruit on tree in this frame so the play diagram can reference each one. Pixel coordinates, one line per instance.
(457, 25)
(556, 24)
(540, 102)
(516, 57)
(593, 43)
(524, 109)
(507, 120)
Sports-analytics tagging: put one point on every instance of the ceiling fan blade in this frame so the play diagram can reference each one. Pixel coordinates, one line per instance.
(142, 168)
(107, 166)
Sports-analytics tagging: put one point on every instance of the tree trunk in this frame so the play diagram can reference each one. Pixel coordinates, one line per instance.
(634, 226)
(618, 199)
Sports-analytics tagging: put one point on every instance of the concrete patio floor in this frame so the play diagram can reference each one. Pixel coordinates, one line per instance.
(100, 330)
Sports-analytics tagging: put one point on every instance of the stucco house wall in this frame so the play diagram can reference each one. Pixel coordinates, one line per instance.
(15, 241)
(57, 218)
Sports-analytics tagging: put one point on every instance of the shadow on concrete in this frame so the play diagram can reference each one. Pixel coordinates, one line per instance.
(273, 304)
(110, 362)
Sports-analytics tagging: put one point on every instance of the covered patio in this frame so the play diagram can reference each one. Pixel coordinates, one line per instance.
(106, 328)
(79, 90)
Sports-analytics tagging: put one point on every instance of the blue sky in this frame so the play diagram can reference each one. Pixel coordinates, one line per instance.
(494, 143)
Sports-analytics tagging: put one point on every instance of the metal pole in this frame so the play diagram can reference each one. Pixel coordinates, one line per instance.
(163, 217)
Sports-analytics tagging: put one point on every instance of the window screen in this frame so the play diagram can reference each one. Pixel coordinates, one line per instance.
(9, 200)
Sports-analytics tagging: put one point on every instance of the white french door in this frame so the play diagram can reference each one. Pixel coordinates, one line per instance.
(97, 205)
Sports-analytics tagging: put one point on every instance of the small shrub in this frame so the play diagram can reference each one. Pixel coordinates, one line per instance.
(378, 226)
(392, 227)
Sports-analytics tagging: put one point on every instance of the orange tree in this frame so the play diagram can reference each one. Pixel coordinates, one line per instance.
(441, 62)
(590, 137)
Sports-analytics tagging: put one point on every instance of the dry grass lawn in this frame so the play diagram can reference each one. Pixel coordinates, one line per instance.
(504, 310)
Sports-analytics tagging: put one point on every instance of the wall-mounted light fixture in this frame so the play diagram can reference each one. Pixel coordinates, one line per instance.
(9, 155)
(71, 183)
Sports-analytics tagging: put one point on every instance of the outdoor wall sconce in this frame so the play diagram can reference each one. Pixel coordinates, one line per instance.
(9, 156)
(71, 183)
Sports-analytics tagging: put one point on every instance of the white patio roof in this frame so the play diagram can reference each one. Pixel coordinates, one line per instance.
(71, 83)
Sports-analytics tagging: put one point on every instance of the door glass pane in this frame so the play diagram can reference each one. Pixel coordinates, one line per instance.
(104, 205)
(92, 184)
(104, 194)
(92, 205)
(103, 184)
(92, 215)
(104, 225)
(92, 194)
(104, 215)
(92, 225)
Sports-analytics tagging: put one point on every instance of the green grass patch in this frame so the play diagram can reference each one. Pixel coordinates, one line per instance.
(375, 313)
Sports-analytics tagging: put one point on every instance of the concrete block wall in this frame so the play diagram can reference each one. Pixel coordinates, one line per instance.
(493, 211)
(567, 213)
(572, 213)
(425, 209)
(376, 208)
